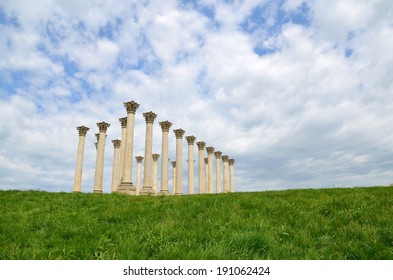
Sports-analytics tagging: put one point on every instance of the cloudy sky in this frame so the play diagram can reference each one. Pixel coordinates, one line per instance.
(300, 93)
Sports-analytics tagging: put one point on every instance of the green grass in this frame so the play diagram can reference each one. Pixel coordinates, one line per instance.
(296, 224)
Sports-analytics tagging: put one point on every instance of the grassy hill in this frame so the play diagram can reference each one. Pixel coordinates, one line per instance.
(296, 224)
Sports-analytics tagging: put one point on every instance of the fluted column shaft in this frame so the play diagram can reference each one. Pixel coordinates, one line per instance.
(218, 172)
(174, 177)
(98, 178)
(179, 135)
(147, 171)
(155, 171)
(210, 151)
(231, 175)
(165, 126)
(115, 167)
(225, 172)
(139, 160)
(126, 184)
(206, 187)
(190, 142)
(82, 130)
(123, 122)
(201, 167)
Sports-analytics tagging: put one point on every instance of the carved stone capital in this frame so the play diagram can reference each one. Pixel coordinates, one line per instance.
(96, 145)
(218, 154)
(165, 126)
(131, 106)
(209, 150)
(123, 122)
(149, 117)
(190, 139)
(179, 133)
(103, 126)
(82, 130)
(156, 156)
(97, 135)
(116, 143)
(173, 164)
(206, 160)
(201, 145)
(139, 159)
(225, 158)
(231, 161)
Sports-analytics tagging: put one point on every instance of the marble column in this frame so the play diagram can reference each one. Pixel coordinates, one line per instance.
(82, 131)
(97, 135)
(206, 190)
(225, 172)
(210, 151)
(123, 122)
(155, 172)
(179, 161)
(218, 172)
(115, 167)
(201, 167)
(147, 170)
(139, 160)
(190, 142)
(165, 126)
(98, 177)
(231, 175)
(126, 185)
(174, 177)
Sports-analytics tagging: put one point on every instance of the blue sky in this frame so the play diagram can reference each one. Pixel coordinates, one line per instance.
(298, 92)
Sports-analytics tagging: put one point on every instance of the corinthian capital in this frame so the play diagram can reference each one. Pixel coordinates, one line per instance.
(165, 126)
(131, 106)
(179, 133)
(139, 159)
(116, 143)
(123, 121)
(201, 145)
(225, 158)
(218, 154)
(156, 156)
(231, 161)
(173, 164)
(82, 130)
(150, 117)
(190, 139)
(209, 150)
(103, 126)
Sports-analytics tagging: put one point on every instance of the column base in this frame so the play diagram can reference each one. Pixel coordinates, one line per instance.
(76, 191)
(178, 193)
(166, 192)
(126, 188)
(97, 191)
(147, 190)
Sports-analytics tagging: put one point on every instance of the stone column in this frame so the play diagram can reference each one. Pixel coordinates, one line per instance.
(147, 171)
(231, 175)
(174, 177)
(126, 183)
(201, 167)
(115, 167)
(206, 175)
(155, 172)
(98, 177)
(225, 172)
(123, 122)
(165, 126)
(218, 171)
(190, 141)
(139, 160)
(210, 151)
(82, 130)
(179, 135)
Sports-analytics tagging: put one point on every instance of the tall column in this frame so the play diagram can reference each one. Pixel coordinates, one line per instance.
(155, 171)
(165, 126)
(147, 183)
(190, 141)
(115, 167)
(218, 171)
(231, 175)
(206, 187)
(210, 151)
(102, 126)
(225, 172)
(123, 122)
(126, 183)
(201, 167)
(139, 160)
(174, 177)
(82, 130)
(179, 135)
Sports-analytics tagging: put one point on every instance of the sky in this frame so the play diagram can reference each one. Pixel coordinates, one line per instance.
(299, 93)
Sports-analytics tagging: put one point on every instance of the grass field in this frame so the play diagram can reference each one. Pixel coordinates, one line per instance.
(352, 223)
